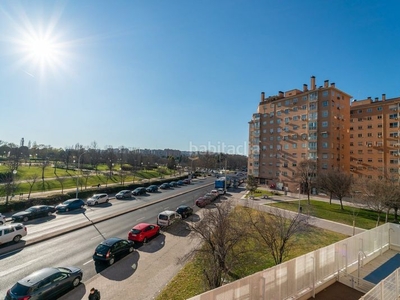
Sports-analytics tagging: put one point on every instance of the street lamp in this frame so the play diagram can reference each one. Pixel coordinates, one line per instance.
(192, 158)
(77, 175)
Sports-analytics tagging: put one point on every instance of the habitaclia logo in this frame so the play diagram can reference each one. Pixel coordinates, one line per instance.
(219, 147)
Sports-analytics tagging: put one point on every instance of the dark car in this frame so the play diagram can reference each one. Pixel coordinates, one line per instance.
(112, 249)
(152, 188)
(186, 181)
(33, 212)
(142, 232)
(202, 202)
(70, 204)
(47, 283)
(173, 184)
(185, 211)
(139, 191)
(180, 182)
(165, 186)
(124, 194)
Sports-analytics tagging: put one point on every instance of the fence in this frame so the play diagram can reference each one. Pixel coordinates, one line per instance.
(304, 276)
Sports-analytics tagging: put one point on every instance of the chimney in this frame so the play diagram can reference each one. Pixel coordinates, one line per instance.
(312, 87)
(326, 83)
(383, 97)
(305, 88)
(333, 84)
(262, 96)
(280, 94)
(369, 98)
(376, 99)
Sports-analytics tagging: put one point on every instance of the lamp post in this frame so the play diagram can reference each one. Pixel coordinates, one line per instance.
(192, 158)
(77, 175)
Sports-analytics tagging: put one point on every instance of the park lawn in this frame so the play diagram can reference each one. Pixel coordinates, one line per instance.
(188, 282)
(364, 218)
(25, 172)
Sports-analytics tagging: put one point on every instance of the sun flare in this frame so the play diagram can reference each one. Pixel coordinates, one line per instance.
(41, 48)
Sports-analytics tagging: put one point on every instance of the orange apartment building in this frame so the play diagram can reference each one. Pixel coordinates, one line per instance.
(323, 124)
(312, 123)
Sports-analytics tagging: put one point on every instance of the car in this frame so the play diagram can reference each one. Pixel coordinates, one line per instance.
(211, 196)
(139, 191)
(2, 219)
(33, 212)
(111, 249)
(152, 188)
(186, 181)
(97, 199)
(12, 233)
(185, 211)
(165, 186)
(142, 232)
(173, 184)
(124, 194)
(168, 217)
(215, 192)
(221, 191)
(70, 204)
(47, 283)
(180, 182)
(202, 202)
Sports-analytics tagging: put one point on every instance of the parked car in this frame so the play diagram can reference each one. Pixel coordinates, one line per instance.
(124, 194)
(97, 199)
(211, 196)
(112, 249)
(33, 212)
(180, 182)
(184, 210)
(152, 188)
(202, 202)
(2, 219)
(12, 233)
(70, 204)
(165, 186)
(168, 217)
(47, 283)
(186, 181)
(142, 232)
(139, 191)
(173, 184)
(221, 191)
(215, 192)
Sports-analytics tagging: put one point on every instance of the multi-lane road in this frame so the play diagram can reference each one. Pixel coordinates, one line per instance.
(53, 241)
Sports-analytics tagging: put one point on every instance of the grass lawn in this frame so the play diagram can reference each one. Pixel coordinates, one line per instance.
(364, 218)
(188, 282)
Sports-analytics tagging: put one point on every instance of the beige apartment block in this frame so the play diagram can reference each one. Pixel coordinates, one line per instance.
(311, 123)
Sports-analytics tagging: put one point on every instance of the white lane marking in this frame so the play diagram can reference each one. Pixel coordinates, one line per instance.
(97, 236)
(140, 219)
(166, 208)
(88, 262)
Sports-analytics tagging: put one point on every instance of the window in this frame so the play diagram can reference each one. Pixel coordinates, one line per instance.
(286, 120)
(304, 98)
(369, 126)
(324, 124)
(324, 155)
(295, 118)
(359, 111)
(360, 135)
(369, 134)
(295, 127)
(325, 103)
(294, 146)
(303, 117)
(325, 93)
(369, 118)
(287, 102)
(278, 113)
(379, 109)
(286, 146)
(324, 134)
(369, 110)
(359, 127)
(279, 104)
(324, 166)
(379, 125)
(393, 125)
(324, 145)
(313, 106)
(379, 117)
(295, 100)
(324, 113)
(286, 111)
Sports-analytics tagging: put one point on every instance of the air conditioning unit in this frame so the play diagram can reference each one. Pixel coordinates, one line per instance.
(395, 109)
(395, 154)
(396, 118)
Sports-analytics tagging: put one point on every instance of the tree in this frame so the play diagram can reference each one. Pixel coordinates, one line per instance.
(61, 181)
(9, 186)
(171, 163)
(251, 184)
(43, 166)
(306, 175)
(277, 231)
(221, 232)
(336, 183)
(31, 181)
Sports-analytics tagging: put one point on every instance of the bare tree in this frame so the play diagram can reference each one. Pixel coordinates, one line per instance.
(251, 184)
(277, 231)
(43, 166)
(9, 185)
(122, 177)
(336, 183)
(220, 232)
(61, 181)
(31, 180)
(306, 176)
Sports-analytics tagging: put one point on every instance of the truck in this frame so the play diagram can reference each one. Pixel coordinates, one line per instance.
(222, 183)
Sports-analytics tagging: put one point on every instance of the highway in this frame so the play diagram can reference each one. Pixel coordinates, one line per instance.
(76, 247)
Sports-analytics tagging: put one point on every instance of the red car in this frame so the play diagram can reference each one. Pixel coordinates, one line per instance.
(203, 202)
(142, 232)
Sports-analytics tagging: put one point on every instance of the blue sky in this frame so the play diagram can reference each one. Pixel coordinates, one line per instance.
(181, 74)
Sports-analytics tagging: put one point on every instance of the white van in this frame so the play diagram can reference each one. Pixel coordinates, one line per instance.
(12, 233)
(2, 219)
(168, 217)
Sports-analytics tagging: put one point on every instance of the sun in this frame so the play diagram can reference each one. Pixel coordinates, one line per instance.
(41, 49)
